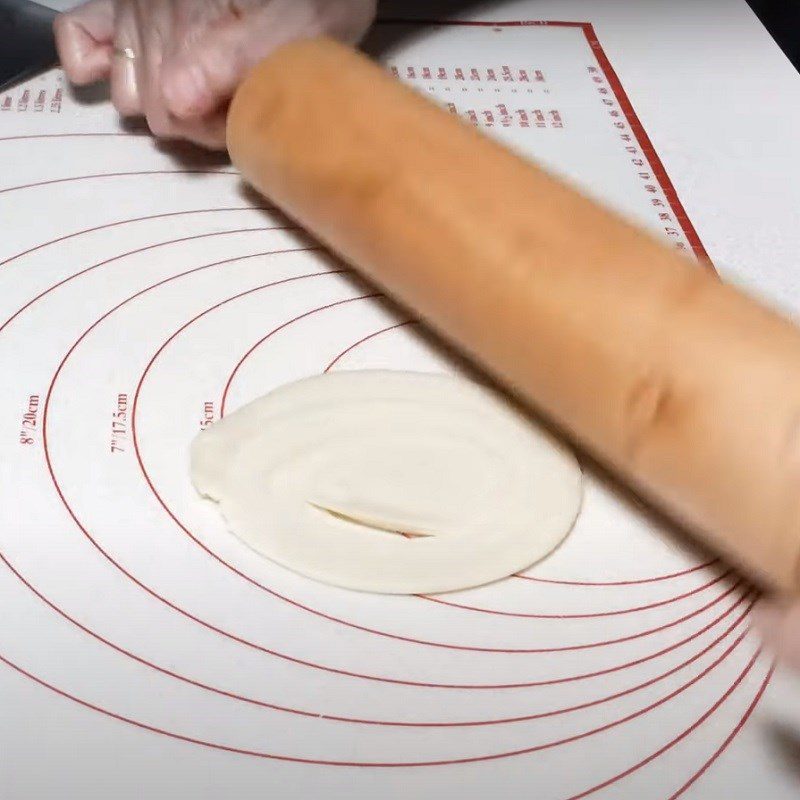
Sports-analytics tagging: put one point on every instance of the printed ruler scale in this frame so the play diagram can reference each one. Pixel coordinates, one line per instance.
(143, 296)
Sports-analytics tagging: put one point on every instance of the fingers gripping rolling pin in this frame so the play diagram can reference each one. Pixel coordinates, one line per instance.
(682, 385)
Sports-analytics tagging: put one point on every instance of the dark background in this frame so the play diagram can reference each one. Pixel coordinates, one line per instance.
(782, 20)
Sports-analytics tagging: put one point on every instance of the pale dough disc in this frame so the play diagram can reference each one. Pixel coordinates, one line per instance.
(322, 474)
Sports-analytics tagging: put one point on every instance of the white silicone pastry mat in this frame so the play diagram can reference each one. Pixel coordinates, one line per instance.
(143, 296)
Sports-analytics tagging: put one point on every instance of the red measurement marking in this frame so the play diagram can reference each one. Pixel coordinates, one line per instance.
(22, 104)
(208, 414)
(29, 424)
(426, 73)
(119, 424)
(39, 103)
(506, 120)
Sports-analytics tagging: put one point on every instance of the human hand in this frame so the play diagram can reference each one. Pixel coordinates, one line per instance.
(185, 58)
(778, 623)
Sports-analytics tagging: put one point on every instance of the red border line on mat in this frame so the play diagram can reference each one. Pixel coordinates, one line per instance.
(647, 146)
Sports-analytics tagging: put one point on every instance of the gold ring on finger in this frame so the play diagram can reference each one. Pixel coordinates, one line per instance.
(125, 52)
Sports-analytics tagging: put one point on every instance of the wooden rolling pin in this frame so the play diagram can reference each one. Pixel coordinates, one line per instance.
(684, 386)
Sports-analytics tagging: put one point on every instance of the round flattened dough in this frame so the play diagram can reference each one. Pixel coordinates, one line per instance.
(322, 475)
